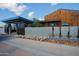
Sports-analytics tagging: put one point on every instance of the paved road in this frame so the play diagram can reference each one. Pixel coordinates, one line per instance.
(42, 48)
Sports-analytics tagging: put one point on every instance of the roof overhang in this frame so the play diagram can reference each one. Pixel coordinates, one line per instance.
(50, 21)
(17, 19)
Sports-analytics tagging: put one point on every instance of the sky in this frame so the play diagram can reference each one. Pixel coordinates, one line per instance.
(32, 10)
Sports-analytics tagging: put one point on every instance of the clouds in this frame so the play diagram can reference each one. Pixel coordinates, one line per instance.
(53, 4)
(30, 14)
(26, 10)
(17, 9)
(41, 19)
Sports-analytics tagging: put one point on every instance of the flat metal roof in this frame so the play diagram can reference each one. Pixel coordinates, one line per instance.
(17, 19)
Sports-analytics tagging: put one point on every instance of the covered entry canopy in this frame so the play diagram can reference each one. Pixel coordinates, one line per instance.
(16, 24)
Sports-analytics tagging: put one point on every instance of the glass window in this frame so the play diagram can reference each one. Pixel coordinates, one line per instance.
(53, 24)
(65, 24)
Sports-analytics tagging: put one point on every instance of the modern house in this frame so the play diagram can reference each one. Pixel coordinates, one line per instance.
(63, 17)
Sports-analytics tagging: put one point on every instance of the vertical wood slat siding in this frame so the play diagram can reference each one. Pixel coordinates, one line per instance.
(64, 16)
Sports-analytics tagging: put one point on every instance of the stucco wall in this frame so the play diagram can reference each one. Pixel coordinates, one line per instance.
(2, 30)
(38, 31)
(47, 31)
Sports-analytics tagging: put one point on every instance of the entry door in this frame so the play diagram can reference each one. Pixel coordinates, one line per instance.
(20, 28)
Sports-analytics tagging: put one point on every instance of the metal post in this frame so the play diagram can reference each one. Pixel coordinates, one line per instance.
(60, 32)
(9, 29)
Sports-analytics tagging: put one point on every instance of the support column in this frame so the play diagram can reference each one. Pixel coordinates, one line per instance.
(53, 31)
(9, 29)
(68, 31)
(60, 32)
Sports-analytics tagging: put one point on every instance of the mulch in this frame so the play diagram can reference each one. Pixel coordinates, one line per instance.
(66, 42)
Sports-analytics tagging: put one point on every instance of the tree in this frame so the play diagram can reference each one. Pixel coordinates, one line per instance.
(35, 22)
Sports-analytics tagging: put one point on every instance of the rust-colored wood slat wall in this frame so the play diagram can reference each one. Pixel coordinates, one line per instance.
(63, 15)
